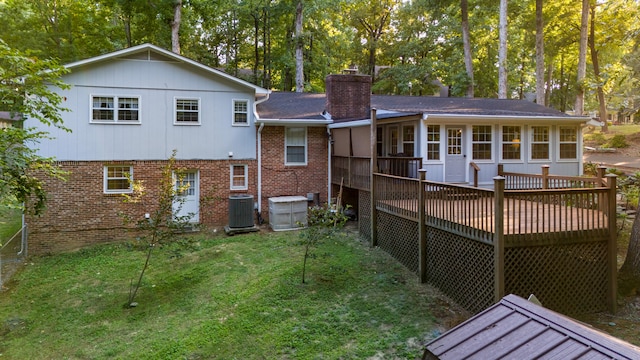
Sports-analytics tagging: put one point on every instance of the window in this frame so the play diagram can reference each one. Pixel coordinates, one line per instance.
(393, 140)
(379, 141)
(433, 142)
(295, 146)
(117, 179)
(188, 111)
(539, 143)
(113, 109)
(408, 139)
(239, 177)
(481, 142)
(511, 142)
(186, 183)
(568, 142)
(240, 112)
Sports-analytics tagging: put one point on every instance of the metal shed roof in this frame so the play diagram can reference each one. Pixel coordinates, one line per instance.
(515, 328)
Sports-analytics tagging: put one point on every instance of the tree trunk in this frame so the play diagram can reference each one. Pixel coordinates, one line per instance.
(629, 275)
(596, 70)
(540, 83)
(299, 44)
(502, 52)
(582, 59)
(175, 26)
(466, 41)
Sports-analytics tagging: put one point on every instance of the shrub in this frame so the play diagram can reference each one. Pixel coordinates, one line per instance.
(597, 138)
(618, 142)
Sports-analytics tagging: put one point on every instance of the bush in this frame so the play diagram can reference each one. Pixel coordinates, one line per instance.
(598, 138)
(618, 142)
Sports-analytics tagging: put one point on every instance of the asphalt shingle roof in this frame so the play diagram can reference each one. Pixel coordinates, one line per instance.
(291, 105)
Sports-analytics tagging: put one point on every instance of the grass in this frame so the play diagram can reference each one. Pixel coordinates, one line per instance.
(237, 297)
(10, 223)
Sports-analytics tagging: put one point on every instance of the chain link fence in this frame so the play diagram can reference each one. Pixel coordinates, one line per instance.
(12, 255)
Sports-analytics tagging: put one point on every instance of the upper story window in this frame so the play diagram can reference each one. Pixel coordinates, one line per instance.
(241, 112)
(118, 179)
(511, 139)
(568, 142)
(481, 142)
(115, 109)
(187, 111)
(539, 143)
(239, 178)
(433, 142)
(295, 141)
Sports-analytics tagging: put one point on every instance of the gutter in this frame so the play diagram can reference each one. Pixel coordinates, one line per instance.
(259, 153)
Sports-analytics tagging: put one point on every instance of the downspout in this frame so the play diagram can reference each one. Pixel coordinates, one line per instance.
(329, 165)
(259, 155)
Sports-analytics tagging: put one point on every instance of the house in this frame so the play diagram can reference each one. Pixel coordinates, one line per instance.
(130, 109)
(7, 120)
(515, 328)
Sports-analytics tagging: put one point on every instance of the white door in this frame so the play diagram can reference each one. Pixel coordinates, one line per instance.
(455, 159)
(190, 196)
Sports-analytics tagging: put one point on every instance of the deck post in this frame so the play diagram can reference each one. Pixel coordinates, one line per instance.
(600, 172)
(422, 227)
(498, 238)
(612, 247)
(374, 170)
(545, 176)
(500, 169)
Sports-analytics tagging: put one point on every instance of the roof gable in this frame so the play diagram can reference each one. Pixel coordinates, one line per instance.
(151, 52)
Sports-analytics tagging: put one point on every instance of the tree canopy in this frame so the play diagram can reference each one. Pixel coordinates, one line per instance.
(408, 47)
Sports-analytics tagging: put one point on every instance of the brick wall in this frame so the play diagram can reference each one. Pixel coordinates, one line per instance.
(79, 213)
(281, 180)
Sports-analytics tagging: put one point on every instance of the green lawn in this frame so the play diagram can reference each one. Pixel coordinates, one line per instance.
(221, 297)
(10, 223)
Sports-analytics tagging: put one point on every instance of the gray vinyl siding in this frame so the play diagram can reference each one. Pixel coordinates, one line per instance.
(157, 84)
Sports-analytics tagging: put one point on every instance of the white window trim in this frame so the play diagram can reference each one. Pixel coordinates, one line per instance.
(233, 113)
(175, 111)
(306, 147)
(439, 143)
(559, 142)
(105, 179)
(115, 110)
(502, 142)
(532, 142)
(491, 143)
(412, 142)
(246, 177)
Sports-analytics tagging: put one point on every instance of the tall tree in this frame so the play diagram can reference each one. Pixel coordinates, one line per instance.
(540, 80)
(299, 46)
(466, 43)
(582, 58)
(175, 26)
(502, 58)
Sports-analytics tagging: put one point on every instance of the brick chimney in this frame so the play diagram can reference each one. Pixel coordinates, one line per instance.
(348, 96)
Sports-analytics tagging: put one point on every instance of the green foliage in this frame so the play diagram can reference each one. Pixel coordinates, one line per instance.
(596, 137)
(26, 93)
(629, 187)
(618, 142)
(322, 223)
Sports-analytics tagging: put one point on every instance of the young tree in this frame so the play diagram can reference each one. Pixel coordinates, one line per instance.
(26, 93)
(629, 274)
(161, 224)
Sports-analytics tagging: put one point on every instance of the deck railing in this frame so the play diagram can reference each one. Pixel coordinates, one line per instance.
(554, 224)
(355, 172)
(517, 181)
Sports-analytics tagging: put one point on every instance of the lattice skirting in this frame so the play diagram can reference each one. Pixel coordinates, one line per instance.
(364, 214)
(461, 268)
(399, 237)
(570, 279)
